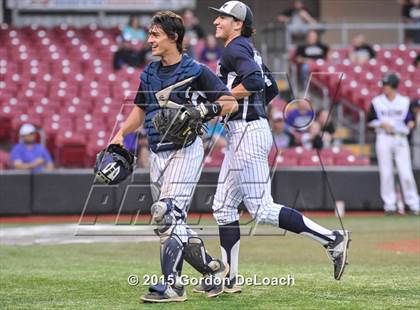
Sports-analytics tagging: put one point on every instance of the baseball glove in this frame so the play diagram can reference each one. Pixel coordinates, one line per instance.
(180, 126)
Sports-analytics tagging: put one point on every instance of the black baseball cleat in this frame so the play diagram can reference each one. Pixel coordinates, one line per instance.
(231, 287)
(337, 251)
(213, 284)
(218, 278)
(204, 285)
(164, 293)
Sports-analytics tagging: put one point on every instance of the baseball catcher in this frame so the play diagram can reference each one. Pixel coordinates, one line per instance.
(176, 96)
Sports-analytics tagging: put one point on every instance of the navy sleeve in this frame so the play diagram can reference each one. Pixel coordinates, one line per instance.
(254, 82)
(140, 99)
(371, 114)
(210, 85)
(271, 89)
(410, 114)
(242, 60)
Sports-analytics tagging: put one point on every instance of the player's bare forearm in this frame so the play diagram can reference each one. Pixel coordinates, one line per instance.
(228, 104)
(240, 92)
(133, 121)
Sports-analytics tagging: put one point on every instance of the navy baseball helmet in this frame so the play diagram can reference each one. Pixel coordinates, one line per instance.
(391, 79)
(113, 165)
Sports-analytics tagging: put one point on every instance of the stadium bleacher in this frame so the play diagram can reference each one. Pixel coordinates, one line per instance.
(360, 83)
(61, 80)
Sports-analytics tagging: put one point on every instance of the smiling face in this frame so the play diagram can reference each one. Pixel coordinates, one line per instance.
(227, 27)
(159, 41)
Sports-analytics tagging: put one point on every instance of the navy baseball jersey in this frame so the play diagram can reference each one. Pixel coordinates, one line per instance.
(239, 60)
(205, 88)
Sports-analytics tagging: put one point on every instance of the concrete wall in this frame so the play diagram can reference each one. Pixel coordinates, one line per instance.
(364, 11)
(71, 191)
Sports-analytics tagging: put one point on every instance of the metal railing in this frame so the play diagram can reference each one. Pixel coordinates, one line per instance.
(345, 28)
(276, 39)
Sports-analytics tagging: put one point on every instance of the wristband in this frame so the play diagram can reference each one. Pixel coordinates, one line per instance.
(209, 110)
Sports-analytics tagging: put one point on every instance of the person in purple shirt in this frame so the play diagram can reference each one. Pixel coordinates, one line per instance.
(301, 116)
(211, 52)
(28, 154)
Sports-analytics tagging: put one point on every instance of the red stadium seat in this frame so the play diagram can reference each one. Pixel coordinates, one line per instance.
(215, 158)
(352, 160)
(71, 149)
(281, 161)
(4, 160)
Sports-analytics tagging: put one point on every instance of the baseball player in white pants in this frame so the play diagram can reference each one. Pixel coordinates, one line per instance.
(176, 166)
(391, 116)
(245, 174)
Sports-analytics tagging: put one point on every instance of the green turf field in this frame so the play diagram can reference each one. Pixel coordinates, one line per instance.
(94, 276)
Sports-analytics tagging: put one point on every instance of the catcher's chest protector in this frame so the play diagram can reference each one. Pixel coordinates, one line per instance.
(152, 83)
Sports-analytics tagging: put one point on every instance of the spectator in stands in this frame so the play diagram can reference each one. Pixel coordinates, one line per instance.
(312, 50)
(211, 52)
(297, 18)
(215, 135)
(131, 142)
(132, 50)
(28, 154)
(410, 13)
(136, 142)
(361, 51)
(313, 138)
(327, 127)
(194, 34)
(281, 134)
(299, 119)
(301, 116)
(192, 26)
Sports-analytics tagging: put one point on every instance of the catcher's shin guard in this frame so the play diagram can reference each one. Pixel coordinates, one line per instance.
(214, 270)
(171, 259)
(195, 254)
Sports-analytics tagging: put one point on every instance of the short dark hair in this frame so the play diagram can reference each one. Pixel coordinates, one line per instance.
(172, 25)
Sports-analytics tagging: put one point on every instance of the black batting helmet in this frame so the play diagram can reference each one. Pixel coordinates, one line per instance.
(391, 79)
(113, 165)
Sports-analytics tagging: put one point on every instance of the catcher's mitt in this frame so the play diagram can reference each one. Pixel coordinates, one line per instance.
(180, 126)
